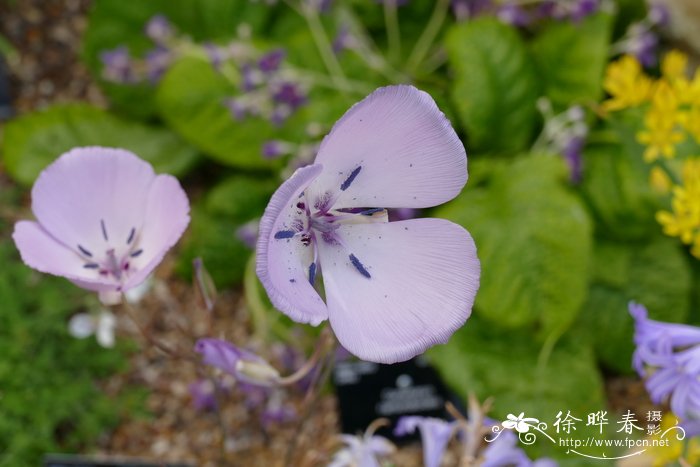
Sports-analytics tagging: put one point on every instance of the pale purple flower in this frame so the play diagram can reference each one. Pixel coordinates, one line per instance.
(658, 15)
(117, 65)
(362, 451)
(203, 393)
(274, 149)
(157, 62)
(435, 434)
(104, 220)
(668, 355)
(242, 364)
(290, 94)
(584, 8)
(514, 15)
(248, 233)
(393, 289)
(271, 61)
(159, 29)
(572, 155)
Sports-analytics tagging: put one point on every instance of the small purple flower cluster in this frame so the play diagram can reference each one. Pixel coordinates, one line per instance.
(517, 14)
(564, 134)
(668, 357)
(120, 67)
(642, 38)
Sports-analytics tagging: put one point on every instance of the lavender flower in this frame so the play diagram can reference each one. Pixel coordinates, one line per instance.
(248, 233)
(584, 8)
(505, 452)
(159, 29)
(289, 94)
(658, 15)
(105, 220)
(241, 364)
(274, 149)
(514, 15)
(117, 66)
(203, 393)
(435, 434)
(668, 355)
(271, 61)
(393, 289)
(157, 62)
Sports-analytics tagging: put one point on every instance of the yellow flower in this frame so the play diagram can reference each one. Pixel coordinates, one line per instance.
(627, 85)
(684, 220)
(674, 65)
(659, 180)
(660, 134)
(664, 455)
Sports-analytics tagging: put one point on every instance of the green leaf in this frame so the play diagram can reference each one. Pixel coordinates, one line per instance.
(495, 85)
(212, 231)
(534, 240)
(654, 273)
(504, 365)
(616, 188)
(34, 140)
(113, 23)
(571, 59)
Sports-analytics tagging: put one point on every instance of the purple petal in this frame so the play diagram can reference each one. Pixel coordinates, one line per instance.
(435, 434)
(167, 217)
(87, 185)
(282, 265)
(422, 276)
(44, 253)
(409, 154)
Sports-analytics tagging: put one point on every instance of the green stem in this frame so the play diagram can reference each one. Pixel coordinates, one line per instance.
(427, 38)
(393, 31)
(256, 307)
(323, 45)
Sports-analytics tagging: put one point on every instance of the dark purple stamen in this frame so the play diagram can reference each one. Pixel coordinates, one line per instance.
(84, 251)
(301, 205)
(350, 179)
(312, 273)
(359, 266)
(284, 234)
(137, 252)
(306, 239)
(131, 236)
(104, 230)
(91, 265)
(369, 212)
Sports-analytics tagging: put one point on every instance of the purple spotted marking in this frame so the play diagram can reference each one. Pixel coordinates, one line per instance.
(104, 230)
(359, 266)
(330, 238)
(84, 251)
(137, 253)
(131, 236)
(282, 234)
(351, 178)
(369, 212)
(312, 273)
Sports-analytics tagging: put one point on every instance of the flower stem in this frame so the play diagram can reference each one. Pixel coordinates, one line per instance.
(322, 348)
(126, 306)
(427, 38)
(256, 307)
(393, 31)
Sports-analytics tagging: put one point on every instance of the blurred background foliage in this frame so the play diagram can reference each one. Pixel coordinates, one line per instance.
(232, 96)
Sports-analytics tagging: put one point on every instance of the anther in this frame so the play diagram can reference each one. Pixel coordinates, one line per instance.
(348, 181)
(359, 266)
(84, 251)
(104, 230)
(131, 236)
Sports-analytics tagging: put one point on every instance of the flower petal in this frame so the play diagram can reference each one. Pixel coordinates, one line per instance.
(410, 285)
(166, 218)
(91, 193)
(283, 263)
(394, 149)
(44, 253)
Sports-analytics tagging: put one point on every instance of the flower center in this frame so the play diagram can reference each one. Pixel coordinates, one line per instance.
(117, 260)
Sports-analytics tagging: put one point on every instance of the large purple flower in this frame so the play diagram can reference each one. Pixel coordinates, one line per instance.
(393, 289)
(104, 220)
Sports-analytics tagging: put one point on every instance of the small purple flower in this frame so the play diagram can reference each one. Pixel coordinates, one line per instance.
(104, 220)
(290, 94)
(514, 15)
(435, 434)
(241, 364)
(465, 9)
(643, 43)
(248, 233)
(274, 149)
(584, 8)
(362, 451)
(271, 61)
(237, 107)
(658, 15)
(117, 66)
(157, 62)
(393, 289)
(505, 452)
(215, 54)
(572, 154)
(159, 29)
(203, 393)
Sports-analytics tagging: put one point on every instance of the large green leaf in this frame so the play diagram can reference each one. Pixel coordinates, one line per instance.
(655, 273)
(504, 365)
(571, 58)
(34, 140)
(616, 187)
(495, 85)
(212, 232)
(534, 242)
(113, 23)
